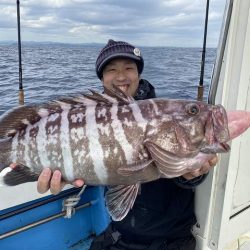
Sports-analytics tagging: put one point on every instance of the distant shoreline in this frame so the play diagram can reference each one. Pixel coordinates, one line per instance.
(34, 43)
(10, 42)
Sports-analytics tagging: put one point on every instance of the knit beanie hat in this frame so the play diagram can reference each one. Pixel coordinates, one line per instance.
(118, 49)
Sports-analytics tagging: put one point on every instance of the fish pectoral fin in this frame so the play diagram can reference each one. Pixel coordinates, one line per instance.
(12, 176)
(131, 169)
(171, 172)
(163, 156)
(169, 165)
(120, 199)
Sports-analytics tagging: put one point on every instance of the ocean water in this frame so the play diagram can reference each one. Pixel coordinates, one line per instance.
(54, 70)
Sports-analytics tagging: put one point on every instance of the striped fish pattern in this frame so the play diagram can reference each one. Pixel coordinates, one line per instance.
(84, 138)
(110, 139)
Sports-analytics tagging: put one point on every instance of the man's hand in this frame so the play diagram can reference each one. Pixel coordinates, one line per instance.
(203, 170)
(54, 182)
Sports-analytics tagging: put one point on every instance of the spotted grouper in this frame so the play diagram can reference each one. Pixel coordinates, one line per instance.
(111, 139)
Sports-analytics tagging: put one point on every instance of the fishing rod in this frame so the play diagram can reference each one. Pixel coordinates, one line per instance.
(21, 92)
(201, 87)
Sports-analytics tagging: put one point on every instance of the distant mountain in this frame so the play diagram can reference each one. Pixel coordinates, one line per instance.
(10, 42)
(7, 42)
(98, 45)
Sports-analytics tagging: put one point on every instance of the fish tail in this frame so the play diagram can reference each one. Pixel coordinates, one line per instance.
(16, 174)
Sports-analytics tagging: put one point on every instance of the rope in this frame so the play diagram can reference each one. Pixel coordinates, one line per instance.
(70, 203)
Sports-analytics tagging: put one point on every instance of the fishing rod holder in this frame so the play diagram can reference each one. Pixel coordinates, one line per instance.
(70, 203)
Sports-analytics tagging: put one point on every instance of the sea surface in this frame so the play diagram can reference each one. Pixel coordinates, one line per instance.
(53, 70)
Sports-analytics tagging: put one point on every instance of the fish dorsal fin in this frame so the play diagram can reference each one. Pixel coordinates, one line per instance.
(119, 95)
(110, 96)
(73, 100)
(94, 96)
(98, 97)
(20, 117)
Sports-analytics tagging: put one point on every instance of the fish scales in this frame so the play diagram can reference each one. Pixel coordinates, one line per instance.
(134, 126)
(51, 140)
(79, 142)
(95, 150)
(48, 140)
(27, 144)
(30, 143)
(65, 142)
(42, 143)
(120, 141)
(120, 136)
(111, 148)
(22, 146)
(32, 147)
(149, 109)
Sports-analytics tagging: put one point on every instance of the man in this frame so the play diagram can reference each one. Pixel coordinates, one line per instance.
(163, 213)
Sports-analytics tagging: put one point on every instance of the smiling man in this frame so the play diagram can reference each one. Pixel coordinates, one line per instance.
(120, 64)
(163, 213)
(123, 74)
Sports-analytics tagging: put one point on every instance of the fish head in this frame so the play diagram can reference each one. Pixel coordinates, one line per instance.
(186, 128)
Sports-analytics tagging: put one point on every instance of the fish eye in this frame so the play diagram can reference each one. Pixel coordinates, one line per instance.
(193, 109)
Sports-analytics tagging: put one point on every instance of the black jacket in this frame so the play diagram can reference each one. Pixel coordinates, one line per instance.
(164, 208)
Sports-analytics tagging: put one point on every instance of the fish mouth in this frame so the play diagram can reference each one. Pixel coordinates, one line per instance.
(220, 122)
(216, 131)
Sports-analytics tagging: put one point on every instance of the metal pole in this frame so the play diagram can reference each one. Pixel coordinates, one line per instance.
(21, 93)
(42, 221)
(39, 203)
(201, 87)
(220, 52)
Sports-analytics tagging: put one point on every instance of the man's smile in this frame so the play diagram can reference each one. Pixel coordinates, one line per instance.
(123, 87)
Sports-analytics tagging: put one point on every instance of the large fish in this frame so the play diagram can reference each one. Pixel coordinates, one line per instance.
(110, 139)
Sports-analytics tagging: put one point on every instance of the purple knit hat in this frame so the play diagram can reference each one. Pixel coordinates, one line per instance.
(116, 49)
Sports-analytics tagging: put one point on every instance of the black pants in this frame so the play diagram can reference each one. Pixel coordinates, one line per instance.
(112, 240)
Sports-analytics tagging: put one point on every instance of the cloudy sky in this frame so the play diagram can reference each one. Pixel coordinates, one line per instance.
(142, 22)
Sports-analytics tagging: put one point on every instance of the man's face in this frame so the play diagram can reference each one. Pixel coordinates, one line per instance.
(122, 73)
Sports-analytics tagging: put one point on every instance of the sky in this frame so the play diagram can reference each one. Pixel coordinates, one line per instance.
(178, 23)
